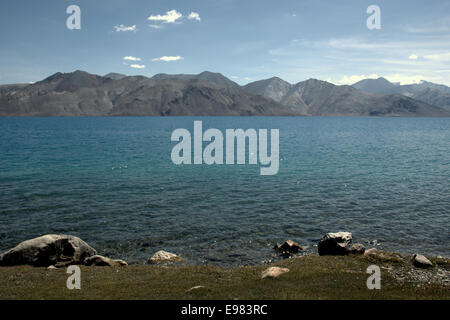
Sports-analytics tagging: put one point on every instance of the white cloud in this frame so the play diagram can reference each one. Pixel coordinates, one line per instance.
(355, 78)
(156, 26)
(405, 79)
(131, 58)
(394, 78)
(170, 17)
(168, 58)
(123, 28)
(194, 16)
(413, 57)
(137, 66)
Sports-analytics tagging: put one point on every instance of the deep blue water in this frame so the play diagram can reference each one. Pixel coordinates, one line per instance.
(111, 182)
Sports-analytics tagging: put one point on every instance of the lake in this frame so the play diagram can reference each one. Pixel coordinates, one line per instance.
(111, 182)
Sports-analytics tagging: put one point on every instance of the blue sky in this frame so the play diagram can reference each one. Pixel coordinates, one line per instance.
(246, 40)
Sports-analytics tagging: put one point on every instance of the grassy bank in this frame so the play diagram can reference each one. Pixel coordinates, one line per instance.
(310, 277)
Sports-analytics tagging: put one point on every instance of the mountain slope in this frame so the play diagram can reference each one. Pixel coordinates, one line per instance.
(428, 92)
(377, 86)
(273, 88)
(82, 94)
(321, 98)
(205, 76)
(173, 96)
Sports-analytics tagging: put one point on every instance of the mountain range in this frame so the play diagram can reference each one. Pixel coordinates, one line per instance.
(428, 92)
(210, 94)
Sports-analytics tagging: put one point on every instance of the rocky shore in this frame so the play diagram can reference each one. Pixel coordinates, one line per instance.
(57, 251)
(63, 250)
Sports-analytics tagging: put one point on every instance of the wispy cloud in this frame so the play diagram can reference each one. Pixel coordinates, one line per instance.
(355, 78)
(170, 17)
(137, 66)
(425, 30)
(156, 26)
(194, 16)
(413, 57)
(131, 58)
(168, 58)
(439, 57)
(394, 78)
(437, 26)
(123, 28)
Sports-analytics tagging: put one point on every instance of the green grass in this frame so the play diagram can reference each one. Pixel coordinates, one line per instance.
(310, 277)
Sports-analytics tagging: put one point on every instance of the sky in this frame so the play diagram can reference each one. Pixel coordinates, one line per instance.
(245, 40)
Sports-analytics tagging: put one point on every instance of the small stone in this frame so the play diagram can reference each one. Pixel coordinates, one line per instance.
(52, 267)
(371, 252)
(273, 272)
(195, 288)
(421, 261)
(357, 248)
(100, 261)
(164, 257)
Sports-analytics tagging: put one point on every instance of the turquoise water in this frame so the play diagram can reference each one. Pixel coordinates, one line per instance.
(111, 182)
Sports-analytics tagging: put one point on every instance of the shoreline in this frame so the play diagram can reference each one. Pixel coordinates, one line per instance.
(309, 277)
(339, 272)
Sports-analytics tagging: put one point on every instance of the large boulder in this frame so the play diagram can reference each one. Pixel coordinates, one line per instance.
(335, 244)
(48, 250)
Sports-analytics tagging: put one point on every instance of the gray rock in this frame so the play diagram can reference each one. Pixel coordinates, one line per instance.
(101, 261)
(421, 261)
(335, 244)
(357, 248)
(371, 252)
(48, 250)
(288, 247)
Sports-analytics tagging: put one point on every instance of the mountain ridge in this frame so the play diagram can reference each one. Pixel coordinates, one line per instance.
(80, 93)
(424, 91)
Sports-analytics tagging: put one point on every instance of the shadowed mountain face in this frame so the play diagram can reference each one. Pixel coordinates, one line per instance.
(378, 86)
(428, 92)
(321, 98)
(114, 76)
(83, 94)
(273, 88)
